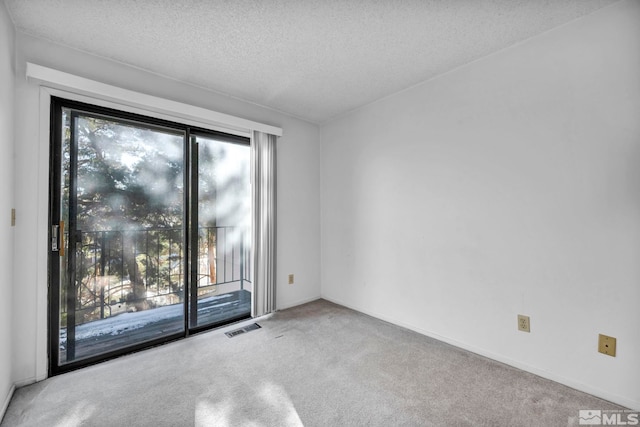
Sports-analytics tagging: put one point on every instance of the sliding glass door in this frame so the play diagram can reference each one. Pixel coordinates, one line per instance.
(149, 232)
(220, 281)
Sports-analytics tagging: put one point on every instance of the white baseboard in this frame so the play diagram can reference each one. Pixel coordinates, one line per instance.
(7, 400)
(26, 381)
(603, 394)
(296, 303)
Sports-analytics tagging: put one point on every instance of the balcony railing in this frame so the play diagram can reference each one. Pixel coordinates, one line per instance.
(131, 270)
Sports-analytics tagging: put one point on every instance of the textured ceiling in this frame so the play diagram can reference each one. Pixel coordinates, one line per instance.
(314, 59)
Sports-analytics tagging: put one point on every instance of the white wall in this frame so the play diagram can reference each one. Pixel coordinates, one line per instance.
(7, 37)
(510, 185)
(298, 184)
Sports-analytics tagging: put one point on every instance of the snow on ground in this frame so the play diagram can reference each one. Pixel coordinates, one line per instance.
(120, 323)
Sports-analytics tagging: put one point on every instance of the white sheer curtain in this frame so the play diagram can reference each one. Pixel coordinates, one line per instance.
(263, 222)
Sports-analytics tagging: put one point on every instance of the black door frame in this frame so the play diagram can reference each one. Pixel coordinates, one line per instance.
(190, 237)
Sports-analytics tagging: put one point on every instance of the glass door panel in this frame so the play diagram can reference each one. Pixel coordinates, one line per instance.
(220, 282)
(136, 259)
(121, 260)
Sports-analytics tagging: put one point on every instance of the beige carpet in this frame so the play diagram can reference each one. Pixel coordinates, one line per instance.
(318, 364)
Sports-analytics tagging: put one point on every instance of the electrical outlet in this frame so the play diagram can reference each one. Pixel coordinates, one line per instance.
(291, 279)
(607, 345)
(523, 323)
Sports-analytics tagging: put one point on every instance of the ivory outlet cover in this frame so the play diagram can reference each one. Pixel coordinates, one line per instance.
(523, 323)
